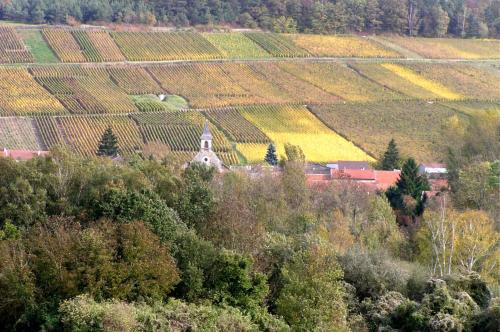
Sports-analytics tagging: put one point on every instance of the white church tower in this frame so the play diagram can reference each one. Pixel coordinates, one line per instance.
(206, 155)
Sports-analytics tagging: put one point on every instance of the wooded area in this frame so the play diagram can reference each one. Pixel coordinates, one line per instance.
(433, 18)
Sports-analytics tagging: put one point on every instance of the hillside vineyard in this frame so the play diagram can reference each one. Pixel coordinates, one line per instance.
(338, 97)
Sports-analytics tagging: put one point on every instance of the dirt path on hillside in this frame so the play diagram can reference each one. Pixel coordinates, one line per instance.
(410, 55)
(308, 59)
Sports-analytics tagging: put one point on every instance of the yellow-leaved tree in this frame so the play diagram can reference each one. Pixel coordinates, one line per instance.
(452, 241)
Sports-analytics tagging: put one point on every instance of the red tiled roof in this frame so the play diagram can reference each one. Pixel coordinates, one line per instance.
(354, 174)
(386, 179)
(22, 154)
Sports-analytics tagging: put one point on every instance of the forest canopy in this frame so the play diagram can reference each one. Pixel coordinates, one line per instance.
(431, 18)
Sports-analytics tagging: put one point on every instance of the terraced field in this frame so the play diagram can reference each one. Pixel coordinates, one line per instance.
(21, 95)
(296, 125)
(253, 87)
(99, 45)
(448, 48)
(18, 133)
(64, 45)
(12, 49)
(158, 46)
(342, 46)
(474, 107)
(84, 132)
(468, 81)
(236, 46)
(277, 45)
(415, 125)
(84, 90)
(180, 131)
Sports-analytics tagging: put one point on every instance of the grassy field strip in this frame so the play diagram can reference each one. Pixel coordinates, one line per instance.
(397, 48)
(37, 45)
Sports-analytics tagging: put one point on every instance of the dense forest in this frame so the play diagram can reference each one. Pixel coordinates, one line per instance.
(142, 244)
(432, 18)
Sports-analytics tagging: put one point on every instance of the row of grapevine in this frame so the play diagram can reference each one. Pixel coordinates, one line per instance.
(160, 46)
(49, 131)
(220, 85)
(82, 89)
(277, 45)
(134, 80)
(236, 46)
(64, 45)
(90, 52)
(236, 126)
(21, 95)
(84, 132)
(339, 80)
(415, 125)
(298, 126)
(180, 130)
(450, 48)
(300, 90)
(12, 49)
(434, 81)
(473, 107)
(83, 46)
(73, 45)
(18, 133)
(342, 46)
(466, 81)
(107, 49)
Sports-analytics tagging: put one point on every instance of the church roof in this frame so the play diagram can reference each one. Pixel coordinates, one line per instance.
(206, 132)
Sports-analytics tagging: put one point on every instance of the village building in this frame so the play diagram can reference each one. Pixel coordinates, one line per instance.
(433, 169)
(344, 164)
(437, 175)
(22, 155)
(206, 155)
(360, 174)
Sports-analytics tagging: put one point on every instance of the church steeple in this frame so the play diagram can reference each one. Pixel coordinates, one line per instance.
(206, 155)
(206, 138)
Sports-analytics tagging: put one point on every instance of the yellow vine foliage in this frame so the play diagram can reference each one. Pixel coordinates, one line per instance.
(22, 95)
(253, 152)
(297, 126)
(422, 82)
(342, 46)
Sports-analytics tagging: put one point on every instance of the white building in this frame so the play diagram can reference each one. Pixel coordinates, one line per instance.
(206, 155)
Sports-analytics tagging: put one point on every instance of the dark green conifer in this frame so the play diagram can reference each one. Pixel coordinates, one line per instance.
(108, 146)
(410, 185)
(391, 159)
(271, 157)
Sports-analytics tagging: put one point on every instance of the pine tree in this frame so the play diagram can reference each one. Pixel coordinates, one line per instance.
(407, 194)
(108, 146)
(271, 157)
(410, 182)
(391, 160)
